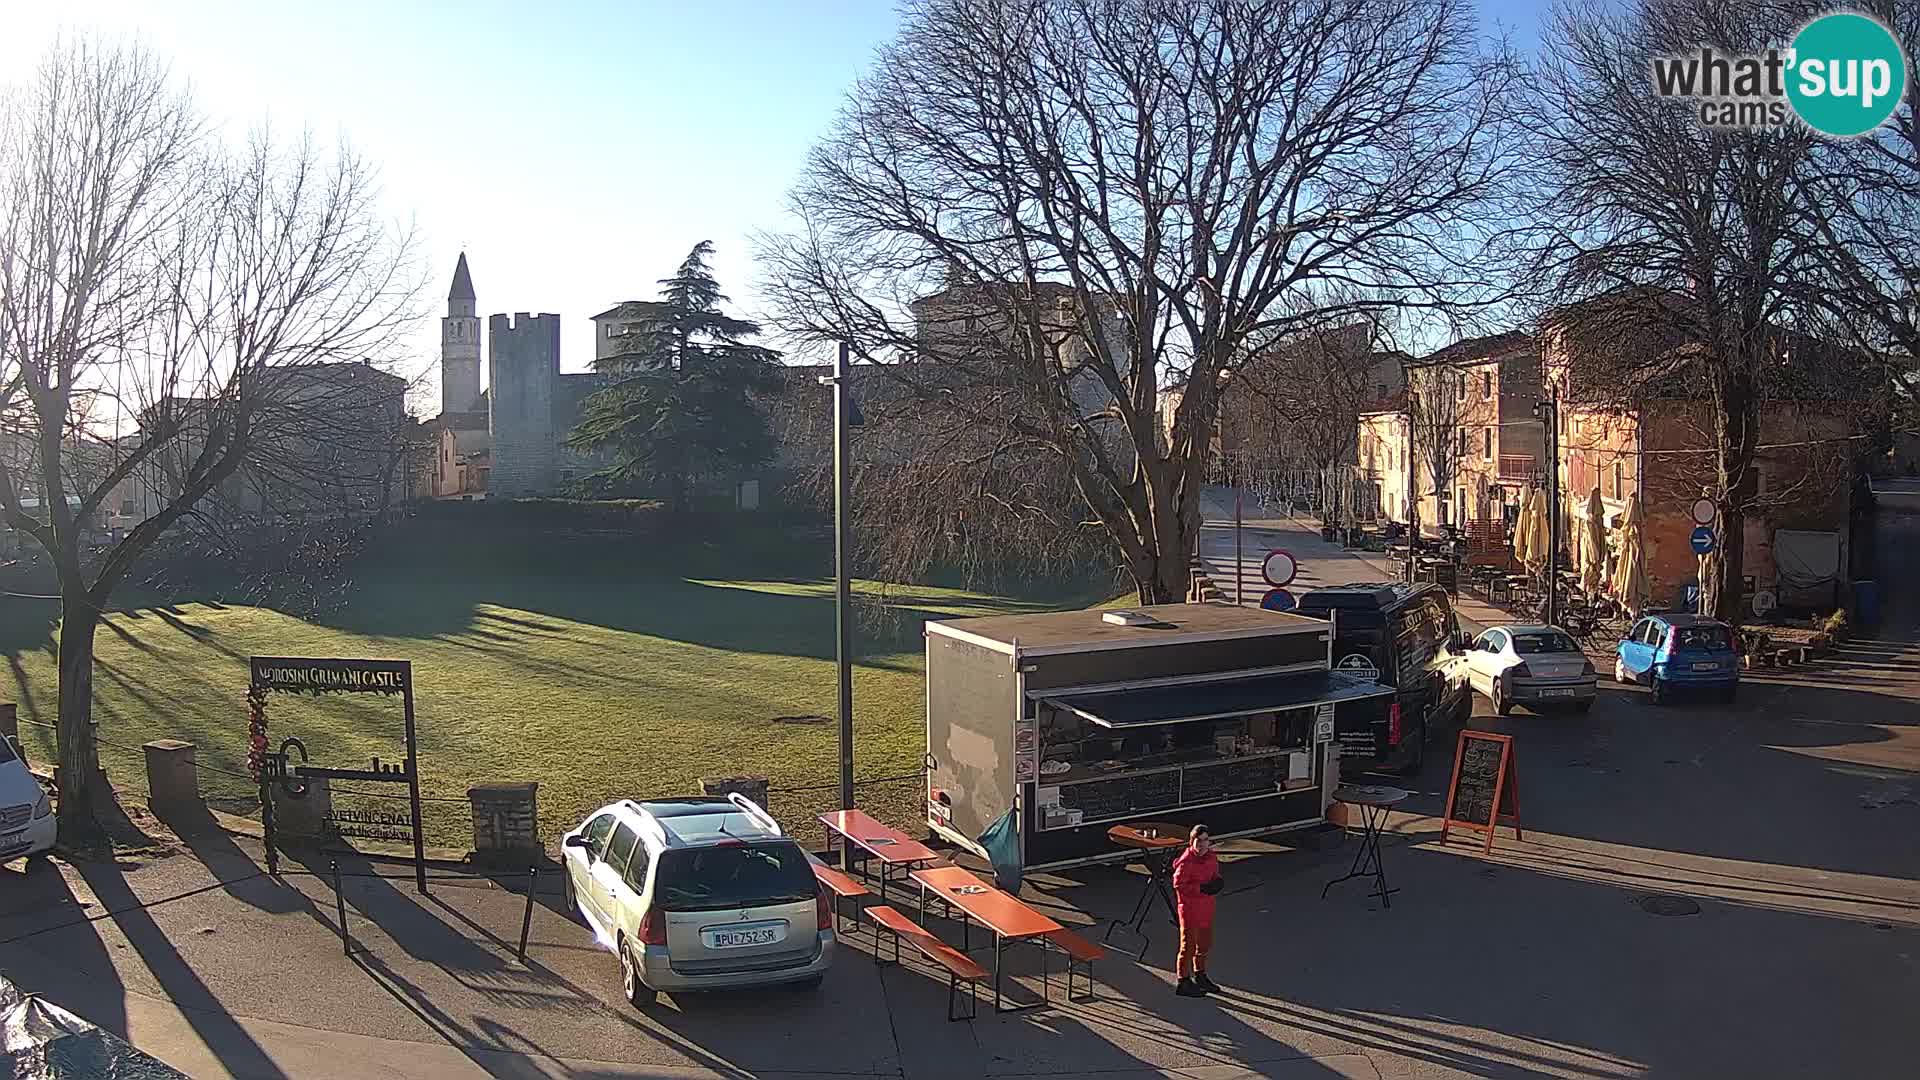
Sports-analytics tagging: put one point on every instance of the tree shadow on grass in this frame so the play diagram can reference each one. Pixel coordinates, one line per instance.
(788, 617)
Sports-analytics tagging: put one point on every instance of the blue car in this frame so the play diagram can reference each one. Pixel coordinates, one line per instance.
(1669, 653)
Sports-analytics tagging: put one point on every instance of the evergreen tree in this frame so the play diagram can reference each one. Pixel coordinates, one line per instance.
(678, 405)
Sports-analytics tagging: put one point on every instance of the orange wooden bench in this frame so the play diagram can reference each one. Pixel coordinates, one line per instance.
(960, 967)
(1077, 950)
(843, 887)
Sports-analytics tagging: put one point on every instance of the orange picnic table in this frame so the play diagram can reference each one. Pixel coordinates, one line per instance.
(877, 840)
(998, 911)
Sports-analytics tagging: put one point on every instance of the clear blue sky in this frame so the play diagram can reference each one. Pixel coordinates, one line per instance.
(576, 150)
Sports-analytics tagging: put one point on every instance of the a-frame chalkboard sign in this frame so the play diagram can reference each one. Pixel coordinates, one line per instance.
(1484, 778)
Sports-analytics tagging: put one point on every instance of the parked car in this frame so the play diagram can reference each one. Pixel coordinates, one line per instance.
(1406, 637)
(26, 815)
(701, 893)
(1669, 653)
(1530, 665)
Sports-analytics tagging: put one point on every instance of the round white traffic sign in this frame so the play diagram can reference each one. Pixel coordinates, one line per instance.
(1703, 511)
(1279, 568)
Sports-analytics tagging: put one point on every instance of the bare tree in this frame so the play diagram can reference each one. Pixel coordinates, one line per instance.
(1680, 247)
(1037, 214)
(1863, 200)
(1433, 408)
(1296, 404)
(144, 265)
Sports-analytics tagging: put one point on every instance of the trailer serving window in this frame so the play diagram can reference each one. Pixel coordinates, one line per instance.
(1110, 755)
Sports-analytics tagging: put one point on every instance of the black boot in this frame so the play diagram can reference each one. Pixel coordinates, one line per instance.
(1205, 984)
(1188, 988)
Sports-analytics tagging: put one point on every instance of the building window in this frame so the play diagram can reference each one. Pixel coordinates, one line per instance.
(1460, 386)
(1380, 391)
(1619, 479)
(1486, 444)
(1463, 442)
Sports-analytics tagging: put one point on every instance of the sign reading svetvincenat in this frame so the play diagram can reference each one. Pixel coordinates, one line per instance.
(1843, 75)
(303, 675)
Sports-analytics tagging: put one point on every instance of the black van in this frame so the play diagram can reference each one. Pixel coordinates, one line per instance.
(1406, 637)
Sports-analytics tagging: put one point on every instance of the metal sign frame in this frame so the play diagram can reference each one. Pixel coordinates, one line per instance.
(311, 675)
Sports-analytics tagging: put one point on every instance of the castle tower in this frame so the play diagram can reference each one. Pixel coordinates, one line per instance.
(460, 345)
(525, 365)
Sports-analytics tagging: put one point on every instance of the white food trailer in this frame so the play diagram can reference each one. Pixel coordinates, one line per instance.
(1054, 727)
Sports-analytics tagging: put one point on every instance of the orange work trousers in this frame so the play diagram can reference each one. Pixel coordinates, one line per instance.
(1195, 942)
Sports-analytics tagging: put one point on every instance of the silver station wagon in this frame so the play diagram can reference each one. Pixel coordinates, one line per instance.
(702, 893)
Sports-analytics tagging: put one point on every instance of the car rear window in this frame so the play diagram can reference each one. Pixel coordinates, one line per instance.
(1534, 644)
(734, 875)
(1700, 637)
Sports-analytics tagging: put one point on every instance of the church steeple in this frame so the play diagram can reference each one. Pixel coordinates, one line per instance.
(460, 345)
(460, 298)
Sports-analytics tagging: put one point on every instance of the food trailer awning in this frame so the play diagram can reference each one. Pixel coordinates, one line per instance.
(1215, 700)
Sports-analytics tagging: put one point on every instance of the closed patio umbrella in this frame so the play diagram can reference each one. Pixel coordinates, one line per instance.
(1537, 537)
(1523, 528)
(1593, 545)
(1629, 577)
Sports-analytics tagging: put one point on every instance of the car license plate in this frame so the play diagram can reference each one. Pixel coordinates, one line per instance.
(1556, 693)
(1706, 667)
(742, 937)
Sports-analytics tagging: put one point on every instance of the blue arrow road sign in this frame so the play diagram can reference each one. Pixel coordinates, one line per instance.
(1702, 541)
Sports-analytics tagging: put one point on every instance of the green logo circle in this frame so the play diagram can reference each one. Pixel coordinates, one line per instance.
(1848, 74)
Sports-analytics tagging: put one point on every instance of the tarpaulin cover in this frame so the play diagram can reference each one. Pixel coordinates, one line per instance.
(1002, 843)
(43, 1041)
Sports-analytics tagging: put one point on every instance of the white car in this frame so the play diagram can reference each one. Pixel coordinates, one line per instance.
(1532, 665)
(26, 815)
(700, 893)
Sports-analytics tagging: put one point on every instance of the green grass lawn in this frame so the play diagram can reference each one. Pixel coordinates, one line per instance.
(600, 666)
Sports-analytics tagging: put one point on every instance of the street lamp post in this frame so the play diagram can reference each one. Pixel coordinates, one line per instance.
(842, 583)
(1549, 413)
(844, 418)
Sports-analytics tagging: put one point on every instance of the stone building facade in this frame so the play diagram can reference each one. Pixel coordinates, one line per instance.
(510, 438)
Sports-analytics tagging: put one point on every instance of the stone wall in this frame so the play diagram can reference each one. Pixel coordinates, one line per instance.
(524, 366)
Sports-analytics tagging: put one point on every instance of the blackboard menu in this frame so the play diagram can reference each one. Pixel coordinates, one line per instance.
(1123, 795)
(1230, 779)
(1473, 785)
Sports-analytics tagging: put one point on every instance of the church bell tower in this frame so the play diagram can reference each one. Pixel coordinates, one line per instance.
(460, 345)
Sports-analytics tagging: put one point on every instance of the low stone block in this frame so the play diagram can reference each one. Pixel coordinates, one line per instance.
(173, 777)
(753, 787)
(309, 816)
(506, 820)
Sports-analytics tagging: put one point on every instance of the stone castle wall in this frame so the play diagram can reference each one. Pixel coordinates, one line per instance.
(523, 367)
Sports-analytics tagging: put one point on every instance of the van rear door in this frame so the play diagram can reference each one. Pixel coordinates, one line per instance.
(1360, 648)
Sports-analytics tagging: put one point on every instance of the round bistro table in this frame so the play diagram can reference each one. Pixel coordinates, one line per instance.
(1375, 802)
(1158, 843)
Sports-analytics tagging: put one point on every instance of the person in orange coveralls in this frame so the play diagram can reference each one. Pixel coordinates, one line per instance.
(1196, 878)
